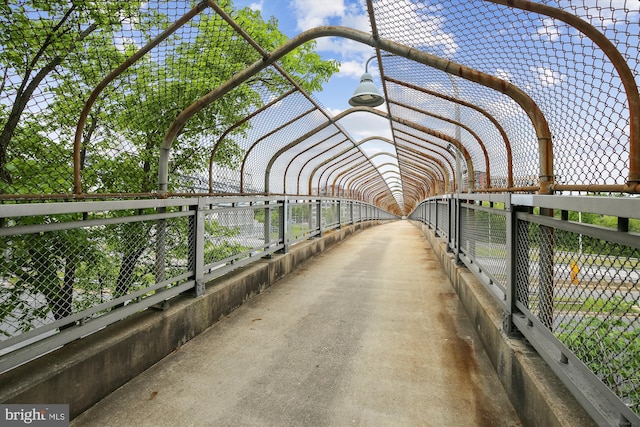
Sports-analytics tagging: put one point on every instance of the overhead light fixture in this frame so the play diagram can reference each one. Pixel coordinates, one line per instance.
(366, 94)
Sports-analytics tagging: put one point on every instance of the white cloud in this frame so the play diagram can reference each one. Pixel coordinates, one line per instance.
(615, 11)
(426, 30)
(547, 76)
(504, 75)
(313, 13)
(362, 125)
(348, 13)
(257, 5)
(351, 69)
(549, 30)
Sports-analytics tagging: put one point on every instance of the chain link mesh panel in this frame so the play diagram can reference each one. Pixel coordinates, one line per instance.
(567, 75)
(48, 276)
(442, 223)
(483, 239)
(589, 297)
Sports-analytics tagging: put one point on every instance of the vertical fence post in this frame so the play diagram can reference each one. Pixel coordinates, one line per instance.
(196, 245)
(522, 247)
(319, 216)
(458, 216)
(450, 223)
(512, 276)
(267, 225)
(161, 248)
(283, 225)
(351, 212)
(546, 275)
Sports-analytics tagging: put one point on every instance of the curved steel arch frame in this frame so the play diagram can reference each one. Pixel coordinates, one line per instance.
(493, 120)
(269, 59)
(526, 103)
(408, 123)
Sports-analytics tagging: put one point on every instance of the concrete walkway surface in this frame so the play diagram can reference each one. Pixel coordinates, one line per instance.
(369, 333)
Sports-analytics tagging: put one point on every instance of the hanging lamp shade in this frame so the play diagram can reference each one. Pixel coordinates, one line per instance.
(366, 94)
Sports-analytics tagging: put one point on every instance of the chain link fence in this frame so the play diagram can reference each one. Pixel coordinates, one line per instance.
(589, 297)
(568, 282)
(147, 100)
(77, 267)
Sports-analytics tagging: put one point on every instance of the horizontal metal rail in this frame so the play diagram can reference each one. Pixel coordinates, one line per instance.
(62, 278)
(571, 288)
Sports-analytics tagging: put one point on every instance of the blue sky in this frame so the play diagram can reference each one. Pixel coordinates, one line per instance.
(295, 16)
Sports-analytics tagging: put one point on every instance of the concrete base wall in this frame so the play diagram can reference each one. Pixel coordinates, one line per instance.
(535, 391)
(83, 372)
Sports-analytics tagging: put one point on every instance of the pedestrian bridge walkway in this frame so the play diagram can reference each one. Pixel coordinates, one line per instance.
(369, 333)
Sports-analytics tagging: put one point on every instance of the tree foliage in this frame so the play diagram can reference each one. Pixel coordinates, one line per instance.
(53, 53)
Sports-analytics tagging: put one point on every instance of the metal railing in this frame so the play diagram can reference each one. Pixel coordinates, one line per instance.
(69, 269)
(569, 283)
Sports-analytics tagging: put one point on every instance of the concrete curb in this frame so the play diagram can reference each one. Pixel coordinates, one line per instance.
(84, 371)
(535, 391)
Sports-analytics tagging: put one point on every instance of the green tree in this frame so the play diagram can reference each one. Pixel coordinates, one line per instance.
(52, 54)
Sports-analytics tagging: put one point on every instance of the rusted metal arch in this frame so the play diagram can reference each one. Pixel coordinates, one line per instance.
(378, 191)
(346, 180)
(235, 126)
(382, 153)
(366, 182)
(335, 166)
(444, 170)
(330, 163)
(267, 135)
(362, 168)
(338, 162)
(432, 132)
(599, 39)
(353, 181)
(413, 197)
(332, 121)
(423, 156)
(299, 180)
(360, 192)
(456, 123)
(493, 120)
(84, 114)
(426, 162)
(419, 172)
(427, 177)
(371, 181)
(370, 193)
(406, 123)
(265, 56)
(301, 168)
(466, 155)
(365, 172)
(626, 77)
(426, 180)
(388, 206)
(324, 163)
(451, 168)
(341, 174)
(414, 191)
(420, 168)
(526, 103)
(425, 165)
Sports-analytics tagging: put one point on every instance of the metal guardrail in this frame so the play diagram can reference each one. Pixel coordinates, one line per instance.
(570, 287)
(70, 269)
